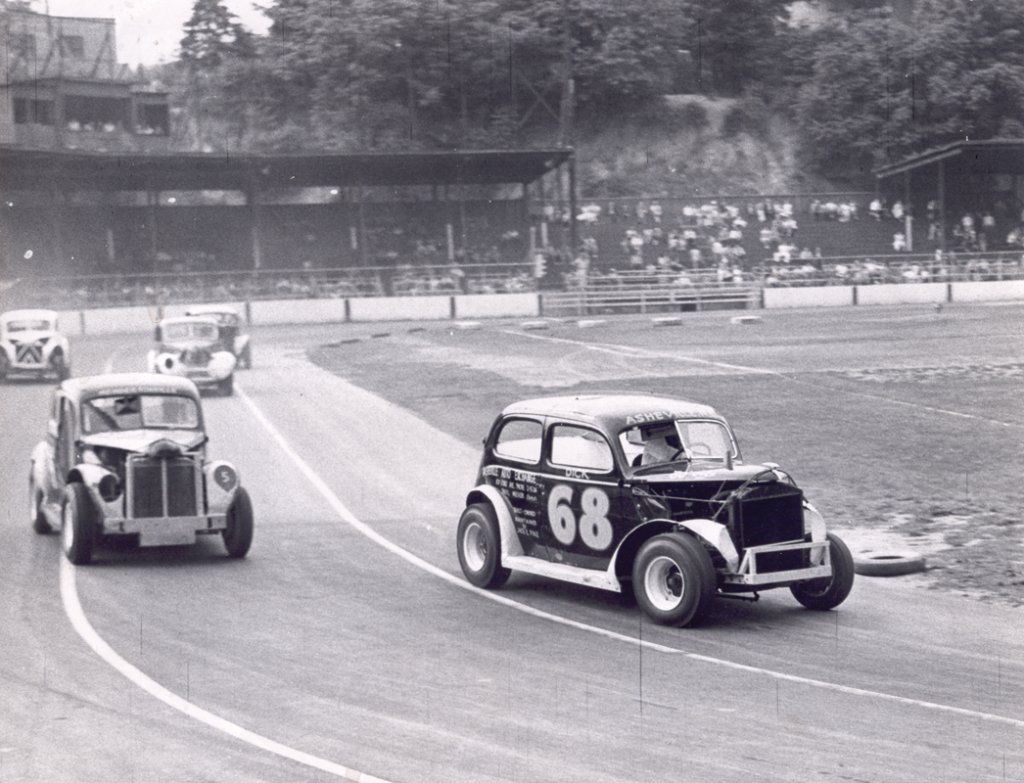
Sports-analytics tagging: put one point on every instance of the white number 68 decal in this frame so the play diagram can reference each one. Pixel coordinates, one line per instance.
(594, 526)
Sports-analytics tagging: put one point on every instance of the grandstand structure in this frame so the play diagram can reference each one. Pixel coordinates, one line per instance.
(91, 191)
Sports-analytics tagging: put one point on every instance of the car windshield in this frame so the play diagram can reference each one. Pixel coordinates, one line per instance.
(29, 325)
(190, 330)
(139, 411)
(683, 440)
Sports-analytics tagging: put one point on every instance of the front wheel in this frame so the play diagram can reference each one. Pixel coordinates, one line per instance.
(828, 593)
(674, 580)
(78, 532)
(238, 533)
(479, 545)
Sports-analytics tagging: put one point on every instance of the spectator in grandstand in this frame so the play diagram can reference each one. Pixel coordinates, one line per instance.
(899, 242)
(875, 208)
(898, 210)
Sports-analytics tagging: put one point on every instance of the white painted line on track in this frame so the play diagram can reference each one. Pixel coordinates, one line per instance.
(81, 624)
(631, 351)
(347, 516)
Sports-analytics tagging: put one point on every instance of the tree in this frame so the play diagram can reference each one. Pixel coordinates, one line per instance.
(213, 39)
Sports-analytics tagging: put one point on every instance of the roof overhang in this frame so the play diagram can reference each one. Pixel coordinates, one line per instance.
(22, 169)
(995, 156)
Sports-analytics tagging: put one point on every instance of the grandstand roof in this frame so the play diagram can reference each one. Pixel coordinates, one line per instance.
(995, 156)
(22, 169)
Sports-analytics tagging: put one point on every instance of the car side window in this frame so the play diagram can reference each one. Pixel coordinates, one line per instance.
(519, 439)
(579, 447)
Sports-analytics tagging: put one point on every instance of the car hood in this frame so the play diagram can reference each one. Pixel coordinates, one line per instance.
(187, 345)
(141, 440)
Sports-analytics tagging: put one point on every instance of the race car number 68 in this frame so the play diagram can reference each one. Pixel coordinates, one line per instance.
(594, 526)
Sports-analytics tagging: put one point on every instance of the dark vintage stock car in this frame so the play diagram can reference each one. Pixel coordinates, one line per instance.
(125, 456)
(230, 322)
(192, 347)
(648, 493)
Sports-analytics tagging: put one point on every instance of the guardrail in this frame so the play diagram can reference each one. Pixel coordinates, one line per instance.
(654, 299)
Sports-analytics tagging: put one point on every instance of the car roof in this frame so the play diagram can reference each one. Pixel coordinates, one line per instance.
(211, 310)
(91, 386)
(13, 315)
(188, 319)
(612, 412)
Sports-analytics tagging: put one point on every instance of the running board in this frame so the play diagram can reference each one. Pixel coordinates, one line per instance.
(565, 573)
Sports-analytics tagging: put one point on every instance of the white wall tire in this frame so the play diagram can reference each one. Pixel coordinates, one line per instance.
(674, 580)
(478, 541)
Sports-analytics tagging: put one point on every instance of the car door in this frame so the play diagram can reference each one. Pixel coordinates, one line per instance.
(586, 511)
(512, 467)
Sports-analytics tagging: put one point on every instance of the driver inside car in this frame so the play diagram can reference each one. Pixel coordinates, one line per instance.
(661, 445)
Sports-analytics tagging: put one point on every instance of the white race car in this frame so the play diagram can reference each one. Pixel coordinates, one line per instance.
(31, 343)
(191, 346)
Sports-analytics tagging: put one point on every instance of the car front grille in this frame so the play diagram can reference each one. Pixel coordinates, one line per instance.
(29, 353)
(159, 487)
(771, 513)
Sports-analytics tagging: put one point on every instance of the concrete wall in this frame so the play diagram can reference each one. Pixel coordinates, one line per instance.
(988, 291)
(115, 320)
(400, 308)
(823, 296)
(497, 306)
(902, 293)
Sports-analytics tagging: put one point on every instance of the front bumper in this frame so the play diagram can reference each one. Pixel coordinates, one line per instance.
(818, 565)
(166, 531)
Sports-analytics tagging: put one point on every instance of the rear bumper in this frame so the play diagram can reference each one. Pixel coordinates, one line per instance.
(747, 575)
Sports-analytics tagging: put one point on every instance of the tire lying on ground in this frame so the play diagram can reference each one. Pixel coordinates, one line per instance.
(888, 563)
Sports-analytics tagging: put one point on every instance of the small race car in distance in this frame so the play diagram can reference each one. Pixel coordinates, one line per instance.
(125, 456)
(191, 346)
(230, 323)
(31, 343)
(646, 493)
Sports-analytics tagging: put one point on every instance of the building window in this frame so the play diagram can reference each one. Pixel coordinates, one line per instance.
(29, 110)
(72, 46)
(23, 45)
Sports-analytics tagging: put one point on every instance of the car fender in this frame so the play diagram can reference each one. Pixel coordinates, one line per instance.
(710, 532)
(222, 482)
(41, 469)
(485, 493)
(55, 343)
(222, 364)
(814, 523)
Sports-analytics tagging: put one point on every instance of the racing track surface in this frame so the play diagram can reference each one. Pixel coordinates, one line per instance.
(381, 660)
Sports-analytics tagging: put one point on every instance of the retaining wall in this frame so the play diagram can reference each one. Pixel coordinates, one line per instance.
(117, 320)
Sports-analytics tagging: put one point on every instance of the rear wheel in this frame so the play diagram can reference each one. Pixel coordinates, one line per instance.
(479, 545)
(674, 579)
(78, 532)
(4, 365)
(35, 509)
(828, 593)
(227, 386)
(238, 533)
(245, 360)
